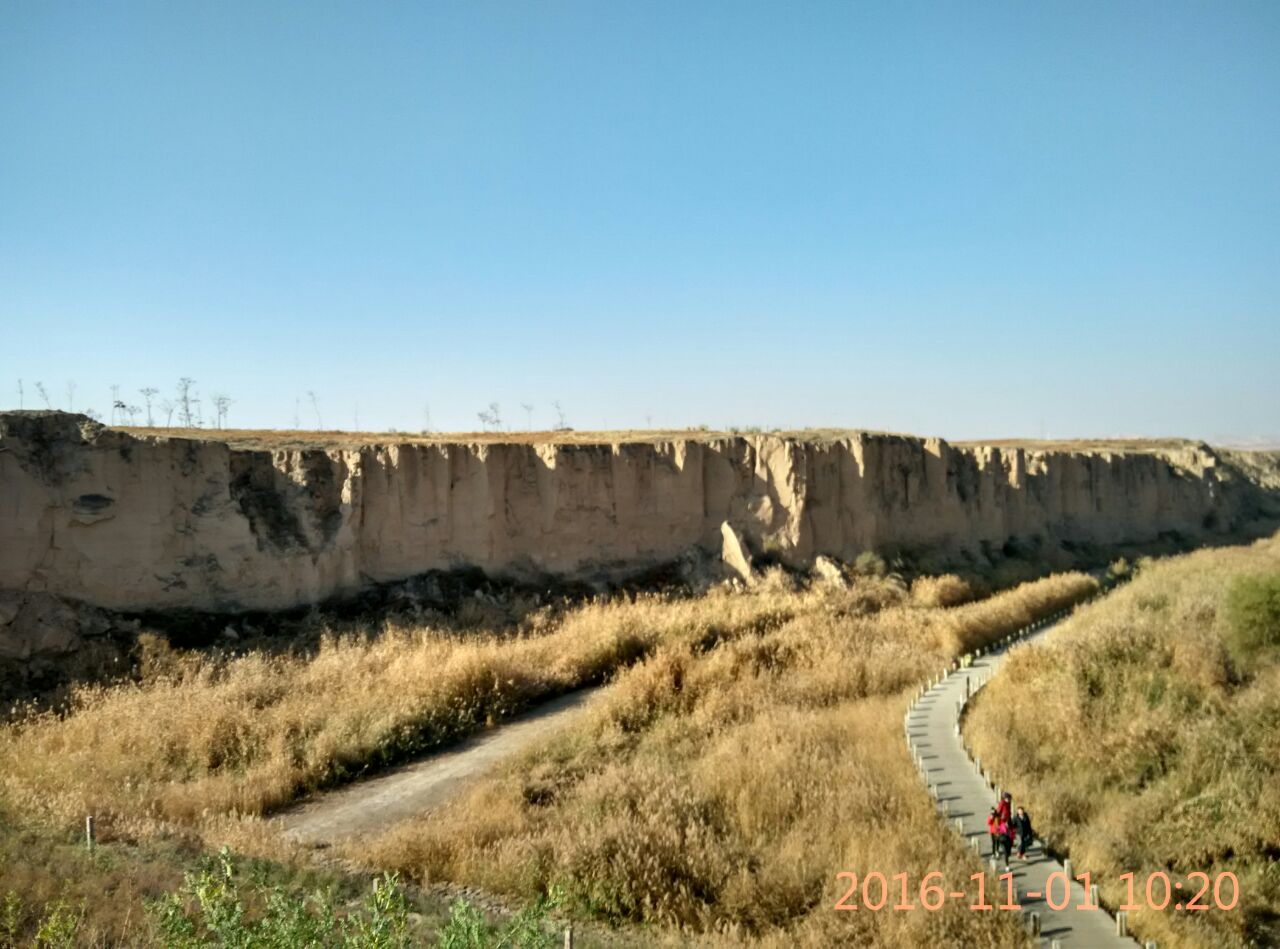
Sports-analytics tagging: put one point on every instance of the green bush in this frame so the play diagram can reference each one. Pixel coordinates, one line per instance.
(10, 920)
(1253, 613)
(467, 928)
(870, 564)
(214, 908)
(1120, 570)
(211, 910)
(56, 929)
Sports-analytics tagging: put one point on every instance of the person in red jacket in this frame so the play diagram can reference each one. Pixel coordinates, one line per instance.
(993, 828)
(1005, 807)
(1005, 829)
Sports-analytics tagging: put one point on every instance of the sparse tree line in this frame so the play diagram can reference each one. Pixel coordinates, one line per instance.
(188, 407)
(491, 417)
(186, 403)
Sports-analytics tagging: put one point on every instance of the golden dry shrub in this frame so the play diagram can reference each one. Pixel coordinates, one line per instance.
(941, 591)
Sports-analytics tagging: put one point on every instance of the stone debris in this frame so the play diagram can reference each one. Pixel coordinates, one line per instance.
(828, 571)
(734, 553)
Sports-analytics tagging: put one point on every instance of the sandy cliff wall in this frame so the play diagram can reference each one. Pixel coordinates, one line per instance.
(133, 523)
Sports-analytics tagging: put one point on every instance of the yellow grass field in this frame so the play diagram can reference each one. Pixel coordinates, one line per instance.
(749, 748)
(719, 791)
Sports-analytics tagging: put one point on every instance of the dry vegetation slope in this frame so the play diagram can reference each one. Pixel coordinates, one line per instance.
(725, 780)
(1147, 736)
(751, 750)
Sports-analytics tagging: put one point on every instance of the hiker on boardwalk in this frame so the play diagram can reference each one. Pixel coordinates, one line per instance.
(1022, 824)
(993, 828)
(1005, 807)
(1005, 831)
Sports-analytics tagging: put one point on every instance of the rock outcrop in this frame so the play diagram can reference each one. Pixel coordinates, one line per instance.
(154, 523)
(46, 641)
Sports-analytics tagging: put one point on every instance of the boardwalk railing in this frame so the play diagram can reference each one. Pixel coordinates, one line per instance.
(972, 685)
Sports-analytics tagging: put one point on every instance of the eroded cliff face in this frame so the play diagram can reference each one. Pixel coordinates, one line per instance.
(163, 523)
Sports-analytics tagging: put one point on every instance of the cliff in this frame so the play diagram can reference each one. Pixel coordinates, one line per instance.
(133, 522)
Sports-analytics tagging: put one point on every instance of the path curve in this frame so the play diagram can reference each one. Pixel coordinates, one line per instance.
(374, 804)
(963, 796)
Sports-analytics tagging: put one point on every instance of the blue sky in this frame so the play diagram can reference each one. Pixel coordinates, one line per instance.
(962, 219)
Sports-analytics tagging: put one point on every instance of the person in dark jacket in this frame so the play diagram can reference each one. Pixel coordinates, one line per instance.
(1022, 824)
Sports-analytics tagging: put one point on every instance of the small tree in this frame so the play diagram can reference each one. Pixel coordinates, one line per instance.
(44, 394)
(167, 406)
(560, 423)
(221, 403)
(20, 395)
(528, 415)
(315, 407)
(147, 395)
(185, 401)
(71, 396)
(491, 418)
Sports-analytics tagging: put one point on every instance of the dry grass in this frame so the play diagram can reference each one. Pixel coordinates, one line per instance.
(106, 892)
(277, 439)
(724, 781)
(40, 869)
(1112, 445)
(941, 591)
(1137, 739)
(749, 749)
(212, 738)
(294, 439)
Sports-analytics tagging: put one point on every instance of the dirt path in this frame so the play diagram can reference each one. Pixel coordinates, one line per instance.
(376, 803)
(963, 796)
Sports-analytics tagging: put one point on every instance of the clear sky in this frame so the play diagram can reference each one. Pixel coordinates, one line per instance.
(965, 219)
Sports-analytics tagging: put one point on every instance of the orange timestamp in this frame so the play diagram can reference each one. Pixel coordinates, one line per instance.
(876, 891)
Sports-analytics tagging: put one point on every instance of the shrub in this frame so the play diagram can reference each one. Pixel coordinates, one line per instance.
(468, 929)
(946, 590)
(870, 564)
(10, 920)
(212, 909)
(1120, 570)
(59, 927)
(1253, 613)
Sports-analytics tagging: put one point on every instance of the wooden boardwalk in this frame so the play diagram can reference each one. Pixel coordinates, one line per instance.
(964, 797)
